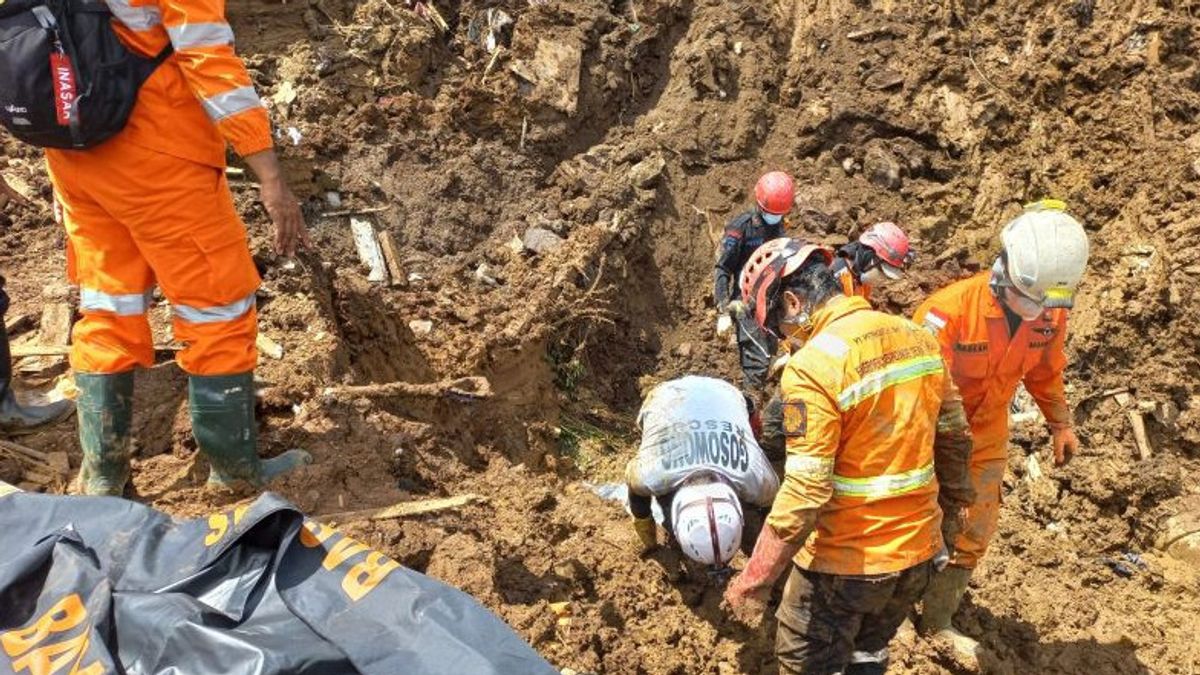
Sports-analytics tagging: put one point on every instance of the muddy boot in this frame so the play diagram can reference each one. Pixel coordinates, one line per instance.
(105, 416)
(939, 604)
(16, 419)
(223, 423)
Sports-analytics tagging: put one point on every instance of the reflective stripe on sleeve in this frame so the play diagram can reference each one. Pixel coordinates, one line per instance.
(804, 465)
(890, 485)
(136, 18)
(897, 373)
(214, 314)
(231, 103)
(191, 35)
(122, 304)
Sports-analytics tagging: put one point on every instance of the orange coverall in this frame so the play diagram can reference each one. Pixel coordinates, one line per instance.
(987, 364)
(849, 285)
(152, 205)
(863, 401)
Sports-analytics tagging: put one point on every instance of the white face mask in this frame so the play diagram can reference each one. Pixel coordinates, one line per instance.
(874, 276)
(772, 218)
(1022, 306)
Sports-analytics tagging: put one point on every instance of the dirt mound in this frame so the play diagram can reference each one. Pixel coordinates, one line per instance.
(626, 134)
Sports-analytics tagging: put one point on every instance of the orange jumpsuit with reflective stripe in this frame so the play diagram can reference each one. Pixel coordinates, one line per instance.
(861, 405)
(152, 205)
(851, 286)
(987, 364)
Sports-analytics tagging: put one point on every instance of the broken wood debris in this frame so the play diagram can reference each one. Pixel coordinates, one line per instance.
(15, 325)
(354, 212)
(463, 388)
(869, 33)
(40, 468)
(1133, 412)
(387, 245)
(405, 509)
(22, 351)
(368, 249)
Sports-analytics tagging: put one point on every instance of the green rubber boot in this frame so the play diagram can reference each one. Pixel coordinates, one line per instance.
(15, 418)
(105, 410)
(223, 423)
(940, 602)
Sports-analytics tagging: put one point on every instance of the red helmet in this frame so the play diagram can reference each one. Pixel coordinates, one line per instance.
(775, 192)
(769, 265)
(889, 243)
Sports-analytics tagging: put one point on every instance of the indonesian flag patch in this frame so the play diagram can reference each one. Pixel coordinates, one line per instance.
(935, 321)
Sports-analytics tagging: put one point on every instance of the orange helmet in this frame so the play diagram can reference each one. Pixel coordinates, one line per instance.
(775, 193)
(768, 266)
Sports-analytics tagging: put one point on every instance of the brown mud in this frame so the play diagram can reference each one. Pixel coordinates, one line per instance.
(632, 130)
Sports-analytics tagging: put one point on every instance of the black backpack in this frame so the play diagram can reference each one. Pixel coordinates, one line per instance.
(66, 81)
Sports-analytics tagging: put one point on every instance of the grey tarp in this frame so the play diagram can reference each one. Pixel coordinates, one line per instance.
(98, 585)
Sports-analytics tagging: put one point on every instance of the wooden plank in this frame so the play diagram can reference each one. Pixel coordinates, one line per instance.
(21, 351)
(367, 244)
(388, 245)
(464, 387)
(18, 449)
(15, 325)
(1140, 438)
(405, 509)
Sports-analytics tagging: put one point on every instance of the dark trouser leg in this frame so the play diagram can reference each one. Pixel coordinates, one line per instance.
(816, 628)
(755, 349)
(870, 655)
(664, 503)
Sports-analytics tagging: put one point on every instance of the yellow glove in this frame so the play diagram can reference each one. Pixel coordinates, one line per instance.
(647, 532)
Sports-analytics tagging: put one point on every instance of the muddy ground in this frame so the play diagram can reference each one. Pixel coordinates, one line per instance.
(632, 131)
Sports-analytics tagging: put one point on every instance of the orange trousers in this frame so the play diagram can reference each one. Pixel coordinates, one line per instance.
(989, 460)
(135, 217)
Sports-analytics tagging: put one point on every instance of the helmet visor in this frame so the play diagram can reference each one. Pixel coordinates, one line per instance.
(891, 271)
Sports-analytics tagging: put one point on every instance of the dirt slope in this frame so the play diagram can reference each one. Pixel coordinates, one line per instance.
(632, 131)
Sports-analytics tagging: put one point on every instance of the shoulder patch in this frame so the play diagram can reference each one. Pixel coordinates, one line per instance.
(795, 419)
(830, 344)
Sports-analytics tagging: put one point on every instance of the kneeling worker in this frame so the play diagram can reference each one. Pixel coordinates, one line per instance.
(700, 461)
(880, 255)
(871, 416)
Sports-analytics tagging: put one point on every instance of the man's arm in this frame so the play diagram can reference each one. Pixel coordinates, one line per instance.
(203, 44)
(952, 447)
(1045, 383)
(725, 286)
(812, 425)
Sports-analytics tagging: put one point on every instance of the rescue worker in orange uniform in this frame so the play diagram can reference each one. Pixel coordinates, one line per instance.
(880, 254)
(873, 425)
(997, 329)
(151, 206)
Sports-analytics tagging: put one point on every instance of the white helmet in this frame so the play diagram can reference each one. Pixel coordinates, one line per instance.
(707, 519)
(1047, 251)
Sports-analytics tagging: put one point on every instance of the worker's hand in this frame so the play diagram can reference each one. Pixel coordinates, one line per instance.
(724, 324)
(1066, 443)
(747, 602)
(736, 309)
(282, 206)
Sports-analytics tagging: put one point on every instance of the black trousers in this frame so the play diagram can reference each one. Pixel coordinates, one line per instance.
(755, 349)
(3, 299)
(832, 623)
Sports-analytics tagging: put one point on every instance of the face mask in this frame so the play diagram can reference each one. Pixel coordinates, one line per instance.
(796, 330)
(1022, 306)
(772, 218)
(874, 276)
